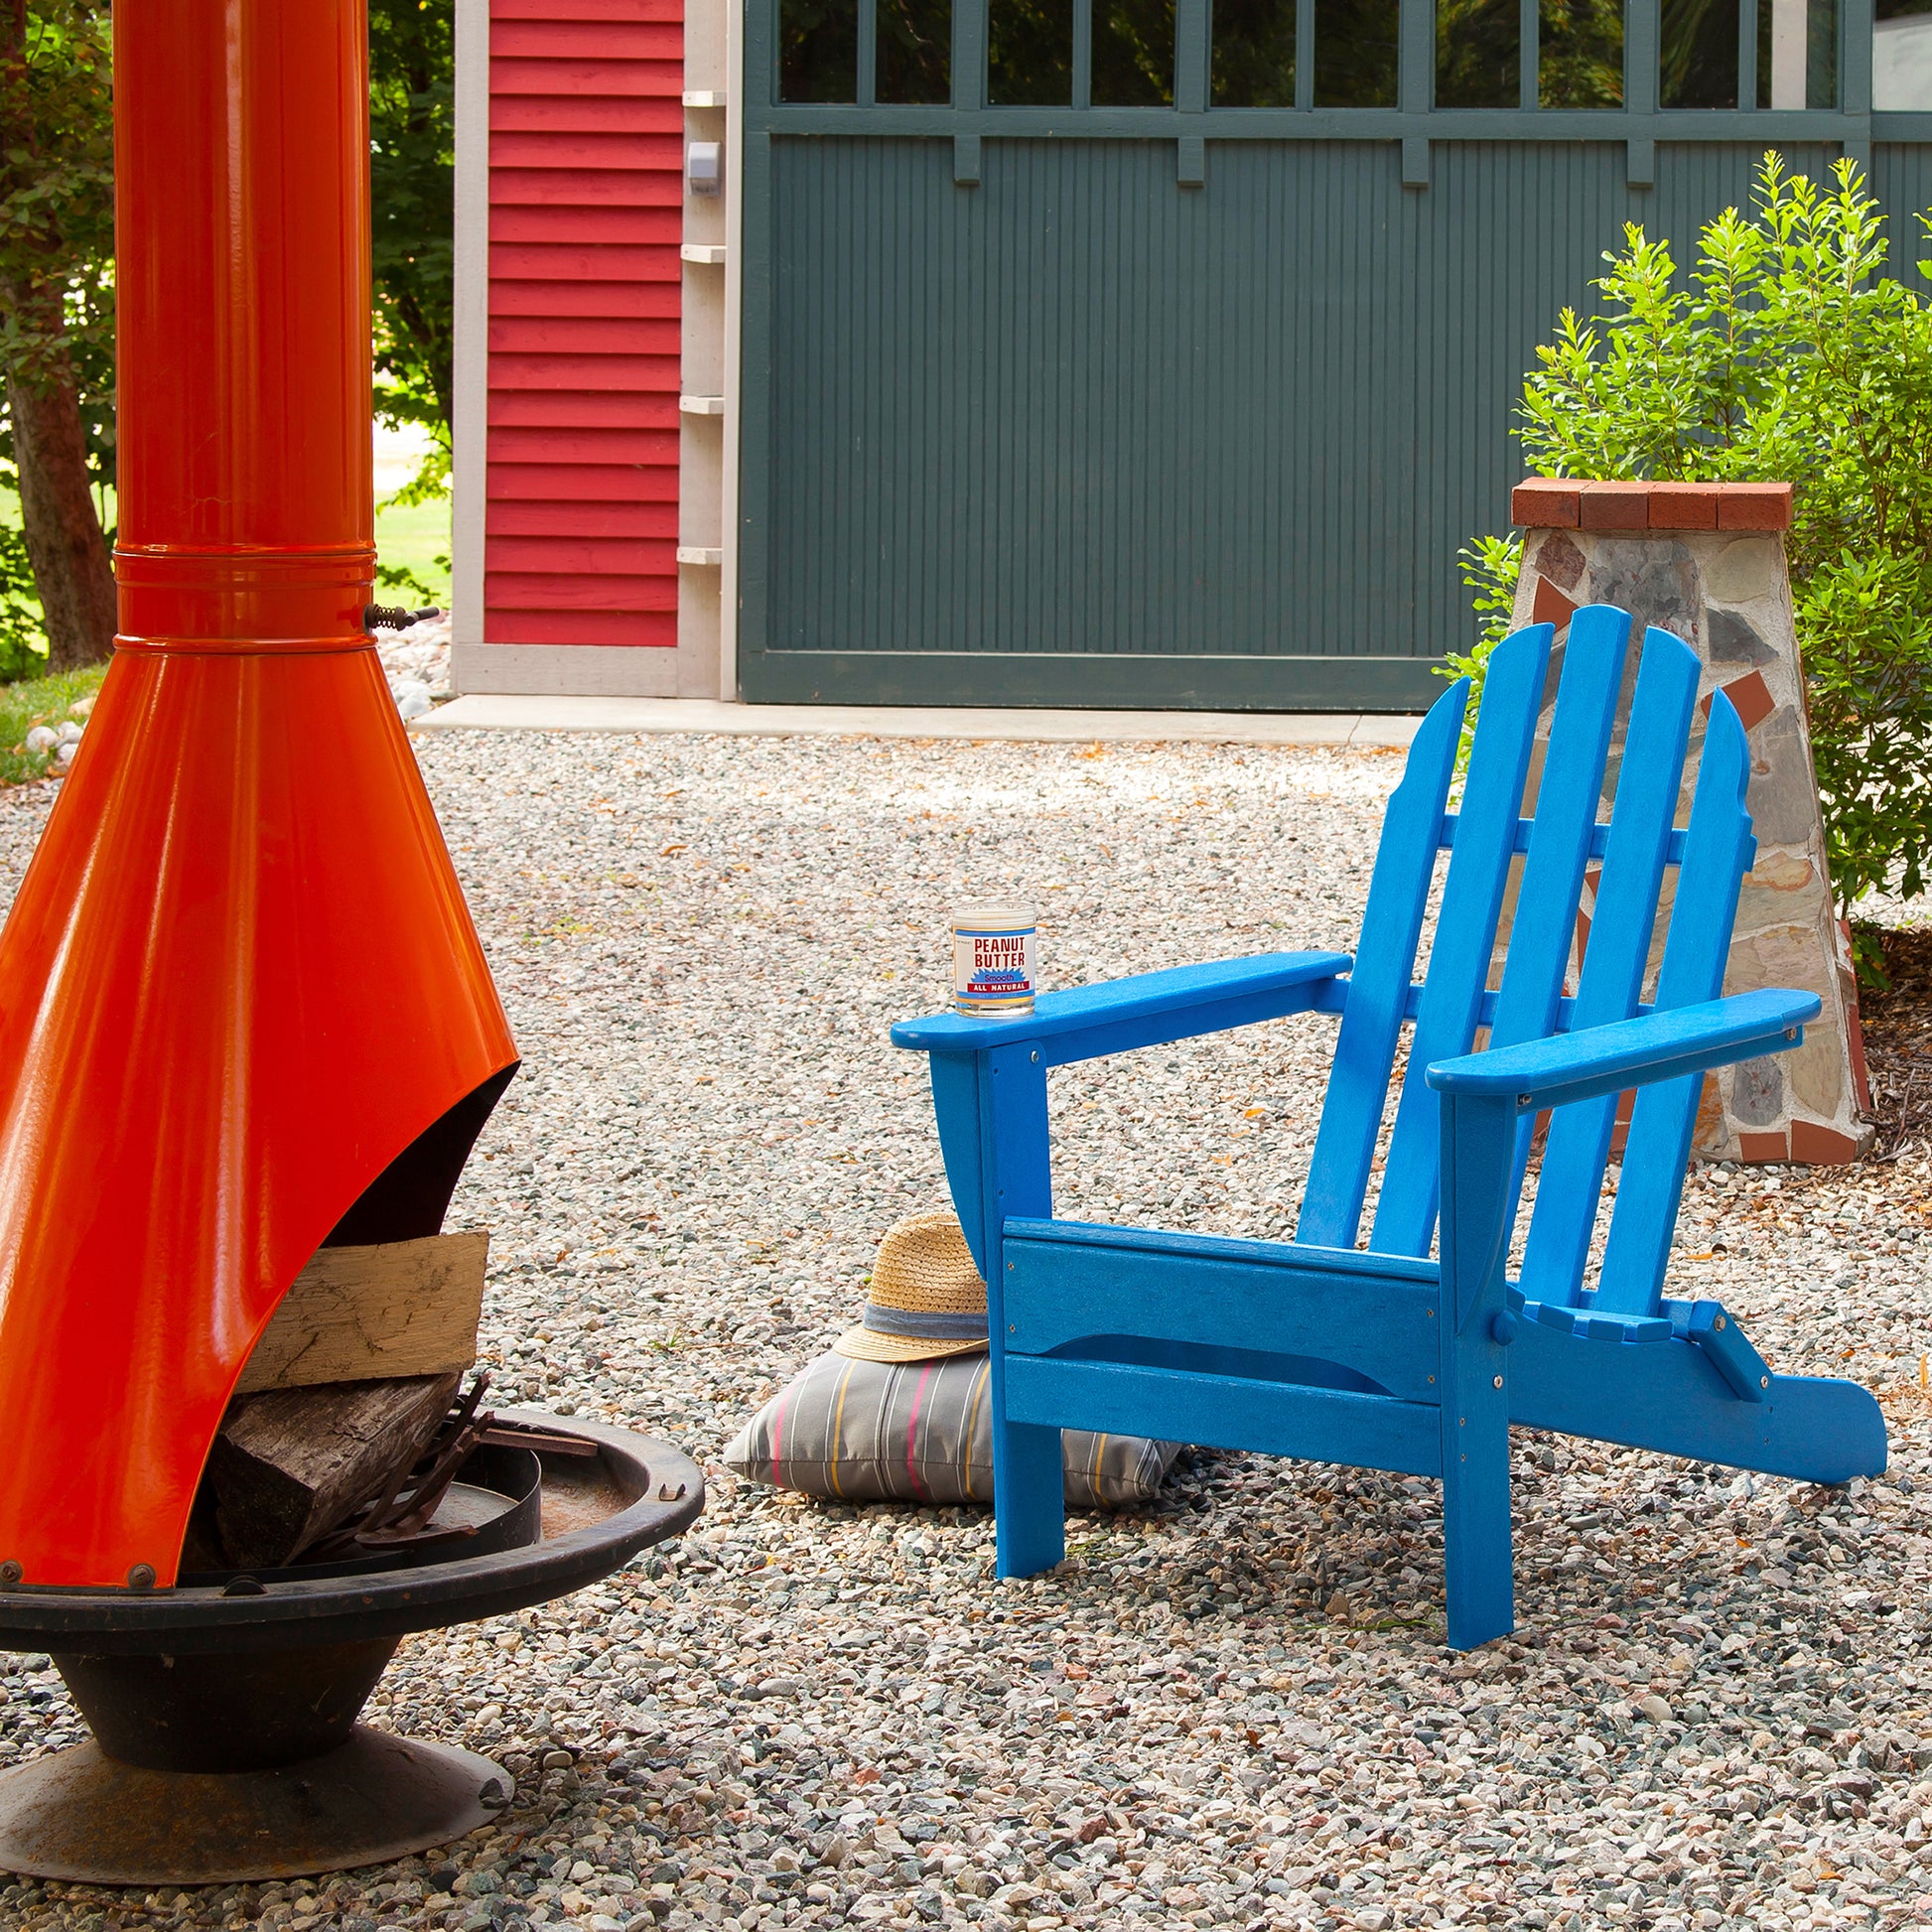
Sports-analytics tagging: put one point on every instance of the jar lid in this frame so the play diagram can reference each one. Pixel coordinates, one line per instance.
(994, 914)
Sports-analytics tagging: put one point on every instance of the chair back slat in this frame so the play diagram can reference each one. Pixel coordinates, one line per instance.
(1718, 854)
(1621, 928)
(1465, 931)
(1563, 828)
(1378, 986)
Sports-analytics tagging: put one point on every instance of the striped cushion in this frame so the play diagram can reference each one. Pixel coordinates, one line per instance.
(918, 1431)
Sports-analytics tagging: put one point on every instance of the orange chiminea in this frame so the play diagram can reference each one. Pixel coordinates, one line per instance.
(242, 1005)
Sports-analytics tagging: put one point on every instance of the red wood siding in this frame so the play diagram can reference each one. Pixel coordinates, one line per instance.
(586, 213)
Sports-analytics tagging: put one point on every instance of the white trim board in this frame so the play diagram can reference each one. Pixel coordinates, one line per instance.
(553, 674)
(581, 713)
(470, 401)
(734, 349)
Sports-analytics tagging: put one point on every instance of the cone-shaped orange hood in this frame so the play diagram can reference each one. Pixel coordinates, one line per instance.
(239, 980)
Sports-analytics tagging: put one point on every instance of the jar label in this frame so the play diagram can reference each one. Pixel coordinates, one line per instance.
(995, 968)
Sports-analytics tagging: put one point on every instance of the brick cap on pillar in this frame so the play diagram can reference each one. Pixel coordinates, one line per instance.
(1573, 504)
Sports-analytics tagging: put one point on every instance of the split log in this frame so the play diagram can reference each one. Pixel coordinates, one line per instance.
(291, 1464)
(357, 1315)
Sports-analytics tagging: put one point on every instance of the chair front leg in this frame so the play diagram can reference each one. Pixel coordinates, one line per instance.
(992, 1129)
(1478, 1160)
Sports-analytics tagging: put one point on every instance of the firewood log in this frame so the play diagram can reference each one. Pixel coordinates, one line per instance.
(353, 1314)
(291, 1464)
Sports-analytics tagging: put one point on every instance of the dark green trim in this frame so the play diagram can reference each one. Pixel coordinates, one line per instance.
(1762, 126)
(1095, 680)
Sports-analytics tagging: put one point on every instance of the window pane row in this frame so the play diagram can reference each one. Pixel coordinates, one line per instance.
(1708, 58)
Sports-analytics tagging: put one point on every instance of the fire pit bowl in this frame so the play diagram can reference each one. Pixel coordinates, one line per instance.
(226, 1742)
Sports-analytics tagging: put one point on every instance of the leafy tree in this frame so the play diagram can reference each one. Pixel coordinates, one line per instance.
(1579, 54)
(57, 296)
(1787, 353)
(412, 133)
(57, 320)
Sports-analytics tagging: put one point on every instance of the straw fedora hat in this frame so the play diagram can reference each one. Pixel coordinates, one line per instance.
(928, 1299)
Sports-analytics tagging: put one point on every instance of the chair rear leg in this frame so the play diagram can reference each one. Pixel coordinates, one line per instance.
(1029, 1498)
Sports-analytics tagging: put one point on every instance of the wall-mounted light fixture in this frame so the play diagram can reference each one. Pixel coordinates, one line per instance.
(704, 166)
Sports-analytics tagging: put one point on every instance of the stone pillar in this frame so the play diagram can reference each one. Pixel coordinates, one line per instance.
(1706, 562)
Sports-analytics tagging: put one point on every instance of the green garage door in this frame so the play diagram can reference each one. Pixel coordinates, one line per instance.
(1146, 361)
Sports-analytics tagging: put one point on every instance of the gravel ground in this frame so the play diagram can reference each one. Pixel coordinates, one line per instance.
(416, 661)
(1235, 1710)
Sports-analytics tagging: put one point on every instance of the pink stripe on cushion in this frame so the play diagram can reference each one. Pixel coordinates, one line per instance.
(912, 1435)
(777, 1436)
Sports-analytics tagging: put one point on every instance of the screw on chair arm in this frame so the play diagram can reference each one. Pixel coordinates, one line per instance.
(1145, 1009)
(1567, 1068)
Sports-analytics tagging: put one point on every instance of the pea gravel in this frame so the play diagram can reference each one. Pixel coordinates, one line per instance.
(1236, 1710)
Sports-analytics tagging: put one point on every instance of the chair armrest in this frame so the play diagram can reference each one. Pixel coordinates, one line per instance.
(1146, 1010)
(1567, 1068)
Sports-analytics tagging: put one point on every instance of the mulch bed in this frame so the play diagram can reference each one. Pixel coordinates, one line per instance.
(1898, 1044)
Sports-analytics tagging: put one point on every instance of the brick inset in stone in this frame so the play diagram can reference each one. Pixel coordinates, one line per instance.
(1551, 605)
(1753, 697)
(1821, 1146)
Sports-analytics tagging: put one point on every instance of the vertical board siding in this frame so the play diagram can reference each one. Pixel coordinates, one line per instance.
(1079, 411)
(586, 194)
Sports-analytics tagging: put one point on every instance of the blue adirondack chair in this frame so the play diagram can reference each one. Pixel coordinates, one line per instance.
(1394, 1358)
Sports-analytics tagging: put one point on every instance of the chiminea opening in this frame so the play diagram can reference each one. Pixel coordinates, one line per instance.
(408, 1199)
(352, 1431)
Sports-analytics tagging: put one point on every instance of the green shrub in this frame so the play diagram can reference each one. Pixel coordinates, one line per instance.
(1490, 569)
(1787, 353)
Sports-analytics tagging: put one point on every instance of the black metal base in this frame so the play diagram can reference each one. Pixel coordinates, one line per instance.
(596, 1513)
(250, 1711)
(226, 1703)
(80, 1816)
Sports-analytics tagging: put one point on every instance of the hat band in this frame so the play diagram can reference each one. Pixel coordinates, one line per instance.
(926, 1324)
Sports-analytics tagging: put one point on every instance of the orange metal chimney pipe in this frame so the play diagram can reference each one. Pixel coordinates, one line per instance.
(242, 1004)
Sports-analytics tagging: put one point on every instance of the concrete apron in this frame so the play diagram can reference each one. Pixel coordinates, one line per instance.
(1352, 730)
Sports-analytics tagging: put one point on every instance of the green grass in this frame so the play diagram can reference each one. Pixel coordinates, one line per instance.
(40, 701)
(410, 539)
(414, 539)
